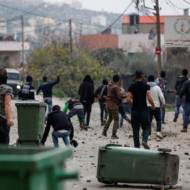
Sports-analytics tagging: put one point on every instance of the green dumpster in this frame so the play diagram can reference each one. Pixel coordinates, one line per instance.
(31, 117)
(29, 168)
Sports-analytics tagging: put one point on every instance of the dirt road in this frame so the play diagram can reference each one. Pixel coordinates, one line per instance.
(85, 155)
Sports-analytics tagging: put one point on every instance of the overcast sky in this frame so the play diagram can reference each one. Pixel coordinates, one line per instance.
(169, 7)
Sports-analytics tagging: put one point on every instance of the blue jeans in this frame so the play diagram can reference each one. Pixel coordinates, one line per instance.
(140, 119)
(186, 114)
(177, 107)
(124, 109)
(60, 134)
(49, 103)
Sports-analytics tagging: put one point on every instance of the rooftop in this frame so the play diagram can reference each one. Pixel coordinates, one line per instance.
(144, 19)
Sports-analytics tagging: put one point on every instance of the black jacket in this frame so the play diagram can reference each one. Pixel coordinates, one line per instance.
(47, 88)
(59, 121)
(179, 84)
(86, 92)
(185, 91)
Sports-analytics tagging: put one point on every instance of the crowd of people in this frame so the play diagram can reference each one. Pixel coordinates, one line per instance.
(138, 105)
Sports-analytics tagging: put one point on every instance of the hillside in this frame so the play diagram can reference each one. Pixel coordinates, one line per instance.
(92, 21)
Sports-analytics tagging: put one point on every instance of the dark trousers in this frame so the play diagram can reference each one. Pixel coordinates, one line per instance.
(163, 111)
(103, 111)
(79, 113)
(87, 112)
(139, 119)
(157, 115)
(186, 114)
(4, 133)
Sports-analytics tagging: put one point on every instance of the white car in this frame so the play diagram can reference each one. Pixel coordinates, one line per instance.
(13, 80)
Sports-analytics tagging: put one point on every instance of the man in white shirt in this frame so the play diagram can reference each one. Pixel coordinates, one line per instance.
(158, 99)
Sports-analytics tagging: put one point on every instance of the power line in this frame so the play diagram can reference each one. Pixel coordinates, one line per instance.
(59, 20)
(186, 1)
(172, 4)
(29, 12)
(43, 16)
(125, 10)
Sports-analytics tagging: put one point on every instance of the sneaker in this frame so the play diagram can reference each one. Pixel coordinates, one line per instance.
(114, 137)
(104, 134)
(145, 145)
(159, 135)
(184, 130)
(175, 120)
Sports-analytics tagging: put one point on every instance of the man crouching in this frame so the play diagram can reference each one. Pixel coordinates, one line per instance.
(62, 127)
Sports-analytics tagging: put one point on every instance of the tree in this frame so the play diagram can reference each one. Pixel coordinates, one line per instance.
(112, 58)
(55, 60)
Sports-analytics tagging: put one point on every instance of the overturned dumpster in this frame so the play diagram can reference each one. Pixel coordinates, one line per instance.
(117, 164)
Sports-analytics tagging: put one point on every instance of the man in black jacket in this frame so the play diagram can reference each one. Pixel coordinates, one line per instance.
(46, 88)
(178, 86)
(62, 127)
(101, 94)
(86, 92)
(185, 91)
(138, 94)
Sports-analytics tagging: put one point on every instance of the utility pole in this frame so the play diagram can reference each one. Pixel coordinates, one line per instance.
(22, 42)
(80, 34)
(70, 38)
(158, 46)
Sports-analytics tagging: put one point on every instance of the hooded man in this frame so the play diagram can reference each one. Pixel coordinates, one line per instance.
(86, 92)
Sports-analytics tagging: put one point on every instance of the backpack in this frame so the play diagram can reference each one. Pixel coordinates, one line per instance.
(26, 92)
(26, 89)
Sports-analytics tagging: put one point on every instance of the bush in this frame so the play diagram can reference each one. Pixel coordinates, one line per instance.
(54, 61)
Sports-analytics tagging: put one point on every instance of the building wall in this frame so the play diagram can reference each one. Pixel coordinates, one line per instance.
(98, 41)
(7, 46)
(137, 43)
(12, 58)
(143, 28)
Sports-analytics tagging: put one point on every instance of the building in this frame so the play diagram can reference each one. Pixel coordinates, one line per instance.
(141, 24)
(98, 41)
(138, 43)
(10, 52)
(99, 20)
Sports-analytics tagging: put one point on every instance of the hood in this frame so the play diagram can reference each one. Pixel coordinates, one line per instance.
(5, 89)
(152, 84)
